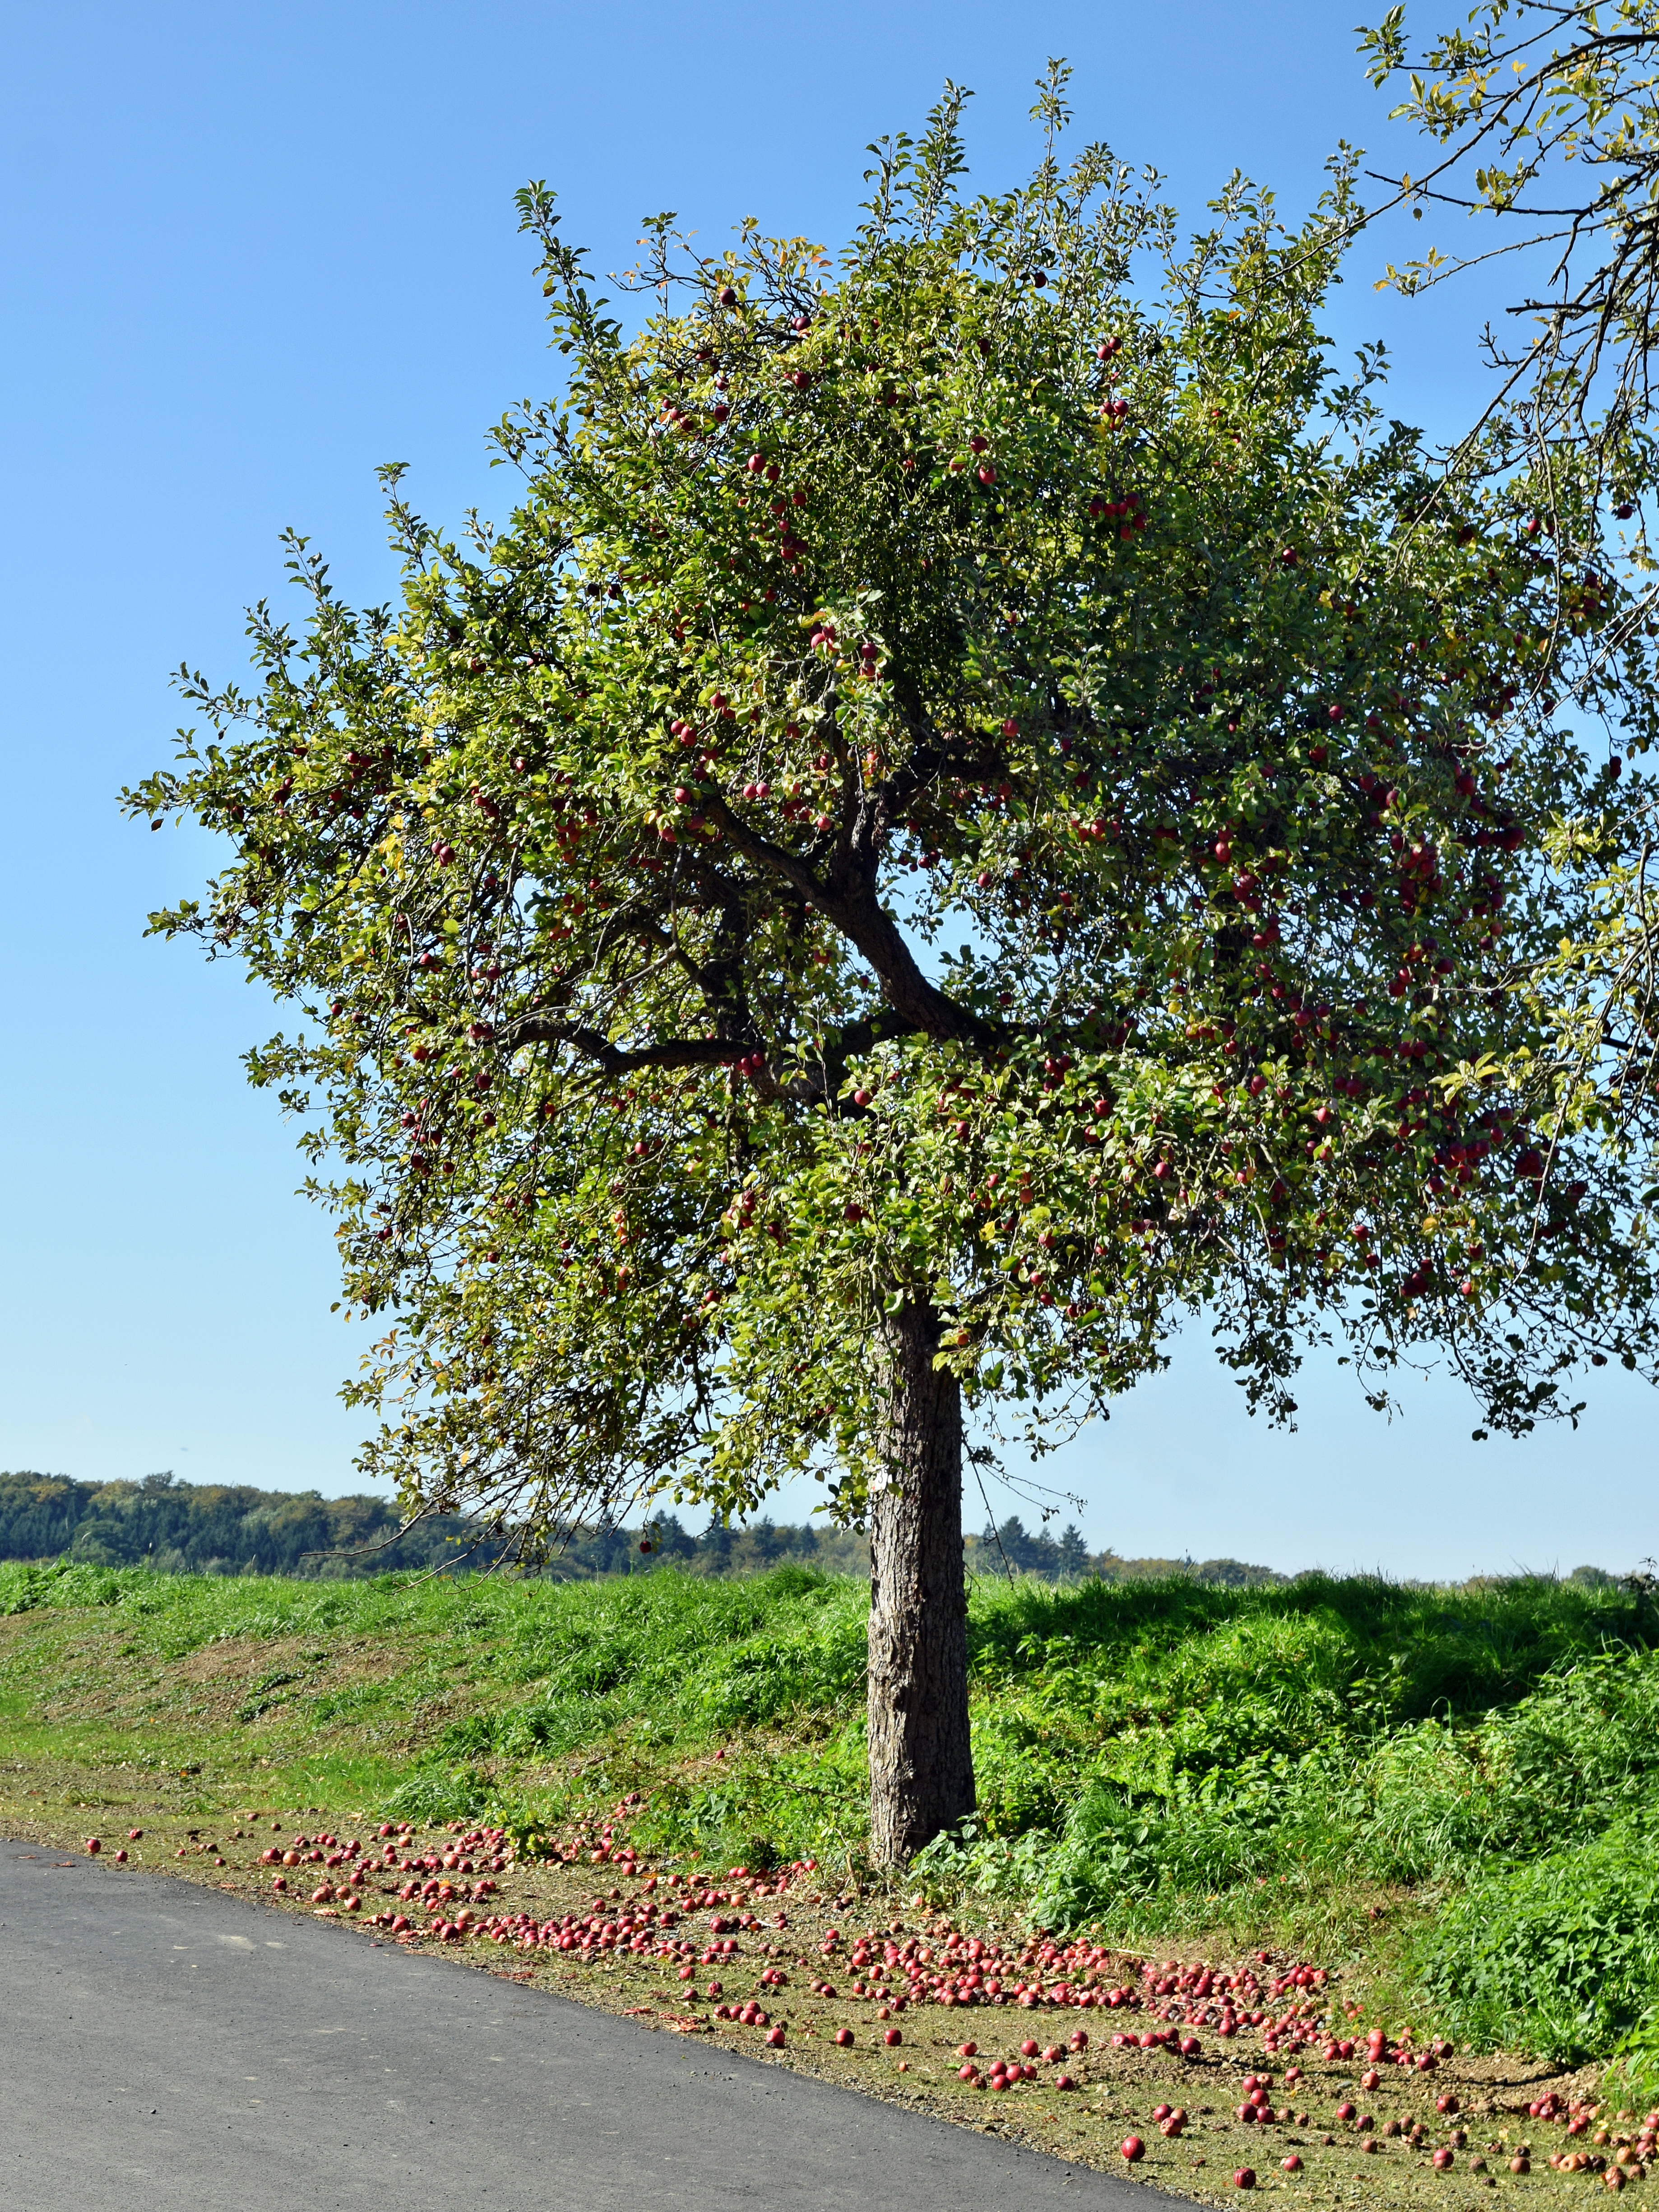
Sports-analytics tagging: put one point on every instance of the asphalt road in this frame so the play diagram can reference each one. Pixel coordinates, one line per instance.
(165, 2046)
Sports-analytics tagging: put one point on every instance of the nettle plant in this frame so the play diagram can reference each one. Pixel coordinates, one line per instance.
(976, 807)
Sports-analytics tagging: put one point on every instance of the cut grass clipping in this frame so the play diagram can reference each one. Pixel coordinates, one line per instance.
(1444, 1794)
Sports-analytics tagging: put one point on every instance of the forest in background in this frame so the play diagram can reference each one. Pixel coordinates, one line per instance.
(225, 1528)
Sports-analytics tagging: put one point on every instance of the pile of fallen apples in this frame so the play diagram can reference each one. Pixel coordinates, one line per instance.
(1002, 2074)
(439, 1876)
(1618, 2155)
(445, 1887)
(892, 1973)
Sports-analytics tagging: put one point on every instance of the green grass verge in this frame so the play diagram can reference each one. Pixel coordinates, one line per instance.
(1457, 1783)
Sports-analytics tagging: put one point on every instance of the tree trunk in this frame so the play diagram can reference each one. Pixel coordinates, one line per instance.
(921, 1768)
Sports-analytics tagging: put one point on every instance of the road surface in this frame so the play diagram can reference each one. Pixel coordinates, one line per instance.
(169, 2047)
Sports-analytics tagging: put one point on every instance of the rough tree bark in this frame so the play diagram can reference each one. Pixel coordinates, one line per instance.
(922, 1769)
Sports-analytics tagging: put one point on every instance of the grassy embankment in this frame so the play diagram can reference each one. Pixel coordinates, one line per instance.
(1444, 1797)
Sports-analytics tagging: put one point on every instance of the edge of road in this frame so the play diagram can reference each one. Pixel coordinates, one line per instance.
(189, 1893)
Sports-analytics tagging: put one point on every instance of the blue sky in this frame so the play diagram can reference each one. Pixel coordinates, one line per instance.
(252, 253)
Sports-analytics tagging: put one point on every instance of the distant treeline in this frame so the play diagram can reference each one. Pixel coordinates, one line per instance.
(219, 1528)
(1012, 1548)
(222, 1529)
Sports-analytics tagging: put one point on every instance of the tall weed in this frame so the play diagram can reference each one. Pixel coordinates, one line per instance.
(1558, 1959)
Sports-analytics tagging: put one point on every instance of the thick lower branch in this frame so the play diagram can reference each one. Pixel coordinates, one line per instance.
(849, 900)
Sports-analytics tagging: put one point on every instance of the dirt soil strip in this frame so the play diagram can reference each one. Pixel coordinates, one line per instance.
(172, 2042)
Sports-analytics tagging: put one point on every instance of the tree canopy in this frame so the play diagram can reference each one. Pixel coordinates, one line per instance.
(963, 778)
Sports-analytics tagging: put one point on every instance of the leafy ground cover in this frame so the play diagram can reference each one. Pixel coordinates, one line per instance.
(1269, 1824)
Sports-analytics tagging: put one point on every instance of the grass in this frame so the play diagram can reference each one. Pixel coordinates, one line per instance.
(1560, 1956)
(1446, 1793)
(438, 1696)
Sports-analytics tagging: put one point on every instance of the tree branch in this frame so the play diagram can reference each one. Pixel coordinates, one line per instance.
(850, 901)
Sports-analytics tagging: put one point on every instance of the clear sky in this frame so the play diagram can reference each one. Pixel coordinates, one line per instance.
(251, 253)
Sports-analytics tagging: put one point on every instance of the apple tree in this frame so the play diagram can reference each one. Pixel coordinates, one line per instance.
(983, 801)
